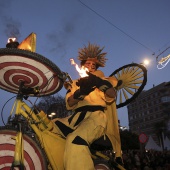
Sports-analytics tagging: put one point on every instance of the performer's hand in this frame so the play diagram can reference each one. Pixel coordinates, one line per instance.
(85, 88)
(85, 81)
(101, 84)
(81, 93)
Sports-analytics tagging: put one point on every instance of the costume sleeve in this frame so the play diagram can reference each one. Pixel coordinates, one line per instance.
(113, 81)
(70, 92)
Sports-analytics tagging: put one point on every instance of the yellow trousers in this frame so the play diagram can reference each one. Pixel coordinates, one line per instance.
(77, 154)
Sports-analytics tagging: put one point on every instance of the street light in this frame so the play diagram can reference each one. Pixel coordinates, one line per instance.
(123, 128)
(146, 62)
(51, 115)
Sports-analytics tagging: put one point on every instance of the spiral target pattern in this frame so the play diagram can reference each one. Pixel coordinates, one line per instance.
(33, 157)
(33, 71)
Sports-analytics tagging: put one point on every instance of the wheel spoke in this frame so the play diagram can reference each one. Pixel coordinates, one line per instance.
(125, 95)
(129, 91)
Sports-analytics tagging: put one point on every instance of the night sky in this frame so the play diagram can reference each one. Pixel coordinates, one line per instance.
(130, 31)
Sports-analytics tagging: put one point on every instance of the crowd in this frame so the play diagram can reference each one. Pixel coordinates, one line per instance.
(150, 160)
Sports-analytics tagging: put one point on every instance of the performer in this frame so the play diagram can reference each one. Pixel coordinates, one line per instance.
(91, 98)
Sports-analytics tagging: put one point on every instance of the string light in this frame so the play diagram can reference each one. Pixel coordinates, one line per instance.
(163, 62)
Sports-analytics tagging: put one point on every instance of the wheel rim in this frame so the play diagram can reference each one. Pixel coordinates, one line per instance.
(131, 80)
(33, 69)
(101, 166)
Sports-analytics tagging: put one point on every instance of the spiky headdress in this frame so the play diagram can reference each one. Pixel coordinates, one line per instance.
(92, 52)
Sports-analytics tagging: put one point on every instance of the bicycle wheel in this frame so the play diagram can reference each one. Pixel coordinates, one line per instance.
(102, 165)
(33, 69)
(132, 79)
(34, 158)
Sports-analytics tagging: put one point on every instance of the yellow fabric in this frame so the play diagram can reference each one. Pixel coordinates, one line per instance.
(112, 79)
(112, 130)
(94, 125)
(78, 157)
(96, 97)
(99, 73)
(54, 146)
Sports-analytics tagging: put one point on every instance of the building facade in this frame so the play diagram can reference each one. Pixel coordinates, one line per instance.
(149, 113)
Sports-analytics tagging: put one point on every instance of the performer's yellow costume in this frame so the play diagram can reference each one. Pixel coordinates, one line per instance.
(89, 123)
(93, 117)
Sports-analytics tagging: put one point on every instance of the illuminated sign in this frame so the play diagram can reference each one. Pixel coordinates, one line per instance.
(163, 62)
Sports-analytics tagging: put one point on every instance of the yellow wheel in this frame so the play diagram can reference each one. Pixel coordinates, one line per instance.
(132, 79)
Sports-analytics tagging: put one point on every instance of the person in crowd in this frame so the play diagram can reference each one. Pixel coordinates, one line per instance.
(137, 160)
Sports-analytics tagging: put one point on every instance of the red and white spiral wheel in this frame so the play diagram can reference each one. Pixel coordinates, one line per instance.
(34, 158)
(33, 69)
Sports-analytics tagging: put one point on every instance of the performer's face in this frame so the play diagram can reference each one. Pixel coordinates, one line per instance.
(91, 65)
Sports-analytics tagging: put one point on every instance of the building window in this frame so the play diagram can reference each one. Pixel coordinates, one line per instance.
(165, 99)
